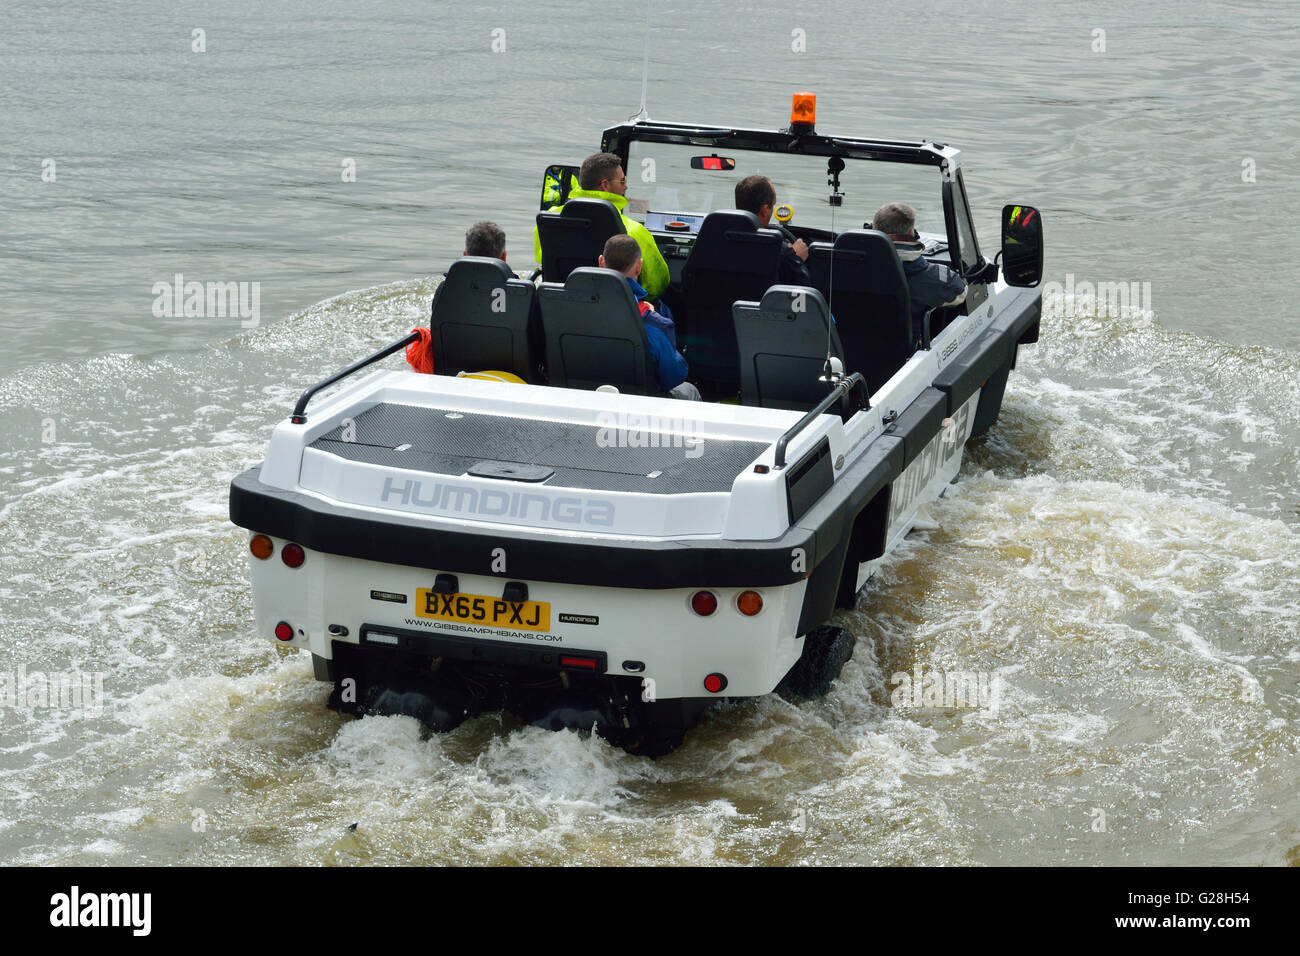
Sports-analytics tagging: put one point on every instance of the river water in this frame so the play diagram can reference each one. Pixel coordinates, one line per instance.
(1121, 553)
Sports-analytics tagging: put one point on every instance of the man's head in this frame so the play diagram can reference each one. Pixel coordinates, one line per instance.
(603, 171)
(622, 254)
(897, 220)
(756, 194)
(486, 239)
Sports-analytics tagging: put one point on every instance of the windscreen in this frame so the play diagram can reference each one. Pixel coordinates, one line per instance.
(660, 179)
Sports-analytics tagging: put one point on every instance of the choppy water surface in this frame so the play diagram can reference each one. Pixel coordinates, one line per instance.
(1122, 551)
(1120, 567)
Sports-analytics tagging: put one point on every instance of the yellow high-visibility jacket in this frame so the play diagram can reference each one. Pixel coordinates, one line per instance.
(654, 270)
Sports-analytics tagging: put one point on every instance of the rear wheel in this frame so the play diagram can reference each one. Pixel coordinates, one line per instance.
(826, 650)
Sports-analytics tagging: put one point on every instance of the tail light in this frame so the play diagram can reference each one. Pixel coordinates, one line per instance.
(284, 631)
(261, 546)
(715, 683)
(293, 555)
(704, 603)
(749, 603)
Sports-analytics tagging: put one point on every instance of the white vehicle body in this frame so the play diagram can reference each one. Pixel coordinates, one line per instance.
(443, 545)
(634, 620)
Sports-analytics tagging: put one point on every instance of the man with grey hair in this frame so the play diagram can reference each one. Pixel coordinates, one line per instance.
(485, 239)
(929, 284)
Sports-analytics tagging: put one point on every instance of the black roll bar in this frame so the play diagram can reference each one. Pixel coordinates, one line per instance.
(849, 384)
(299, 416)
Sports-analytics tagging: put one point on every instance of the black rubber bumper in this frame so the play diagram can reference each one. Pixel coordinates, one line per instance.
(537, 556)
(994, 349)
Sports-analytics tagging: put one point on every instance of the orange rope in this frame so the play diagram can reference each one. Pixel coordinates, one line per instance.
(419, 354)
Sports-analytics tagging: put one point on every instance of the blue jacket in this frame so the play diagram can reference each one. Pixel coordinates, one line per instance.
(930, 284)
(661, 334)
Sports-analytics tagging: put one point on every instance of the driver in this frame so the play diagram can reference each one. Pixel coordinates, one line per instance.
(756, 194)
(602, 177)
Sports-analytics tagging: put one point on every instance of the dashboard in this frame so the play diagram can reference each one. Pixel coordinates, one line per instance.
(675, 233)
(674, 223)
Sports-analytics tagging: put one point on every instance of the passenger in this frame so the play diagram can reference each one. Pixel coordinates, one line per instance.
(481, 239)
(623, 254)
(602, 177)
(756, 194)
(485, 239)
(930, 284)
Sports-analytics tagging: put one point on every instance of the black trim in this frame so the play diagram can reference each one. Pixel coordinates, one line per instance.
(299, 415)
(959, 193)
(533, 555)
(971, 368)
(617, 140)
(981, 360)
(482, 650)
(853, 385)
(808, 480)
(917, 425)
(990, 403)
(950, 225)
(873, 472)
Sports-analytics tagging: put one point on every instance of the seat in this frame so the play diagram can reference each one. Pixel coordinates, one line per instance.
(480, 320)
(819, 260)
(575, 236)
(867, 292)
(733, 259)
(594, 333)
(783, 340)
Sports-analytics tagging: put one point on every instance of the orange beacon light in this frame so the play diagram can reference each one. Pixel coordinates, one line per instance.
(803, 113)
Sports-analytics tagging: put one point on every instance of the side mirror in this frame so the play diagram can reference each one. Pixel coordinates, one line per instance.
(557, 183)
(1022, 246)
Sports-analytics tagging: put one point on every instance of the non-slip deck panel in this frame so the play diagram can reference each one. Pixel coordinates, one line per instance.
(589, 457)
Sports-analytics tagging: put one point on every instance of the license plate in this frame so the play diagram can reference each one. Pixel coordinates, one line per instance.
(481, 609)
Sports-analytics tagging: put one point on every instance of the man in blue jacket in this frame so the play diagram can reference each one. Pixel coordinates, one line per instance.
(930, 284)
(623, 254)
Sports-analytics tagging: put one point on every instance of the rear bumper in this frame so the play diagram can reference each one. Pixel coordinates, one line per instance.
(375, 609)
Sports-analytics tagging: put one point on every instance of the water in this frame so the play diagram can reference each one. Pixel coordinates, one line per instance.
(1121, 551)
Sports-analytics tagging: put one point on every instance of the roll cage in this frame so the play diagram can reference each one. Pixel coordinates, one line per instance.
(963, 242)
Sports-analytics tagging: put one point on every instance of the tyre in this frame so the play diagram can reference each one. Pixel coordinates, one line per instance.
(826, 650)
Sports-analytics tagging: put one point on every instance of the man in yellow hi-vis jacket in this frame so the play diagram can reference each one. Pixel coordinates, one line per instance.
(602, 177)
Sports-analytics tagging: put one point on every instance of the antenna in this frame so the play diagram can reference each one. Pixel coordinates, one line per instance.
(828, 371)
(641, 114)
(833, 168)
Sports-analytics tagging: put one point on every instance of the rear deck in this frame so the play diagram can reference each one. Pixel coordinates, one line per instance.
(650, 458)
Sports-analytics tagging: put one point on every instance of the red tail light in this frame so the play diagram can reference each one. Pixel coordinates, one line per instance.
(704, 603)
(293, 555)
(284, 631)
(715, 683)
